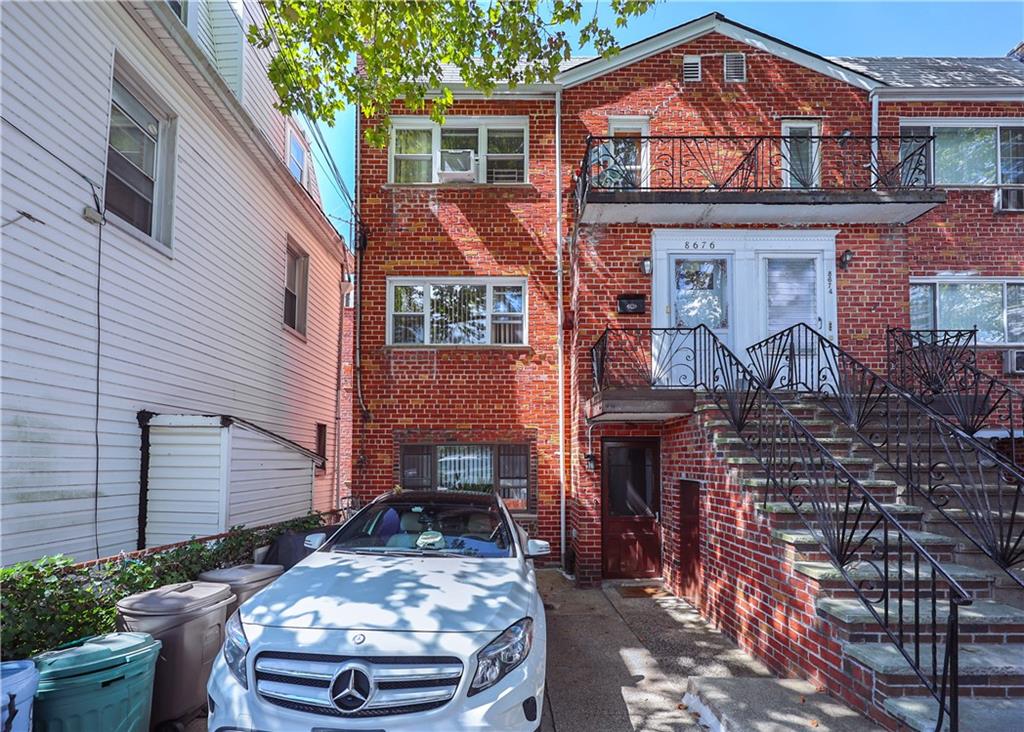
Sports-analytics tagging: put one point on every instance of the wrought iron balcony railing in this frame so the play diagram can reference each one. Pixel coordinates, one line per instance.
(819, 163)
(976, 490)
(939, 368)
(857, 532)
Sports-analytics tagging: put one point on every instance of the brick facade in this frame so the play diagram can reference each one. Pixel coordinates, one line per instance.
(486, 394)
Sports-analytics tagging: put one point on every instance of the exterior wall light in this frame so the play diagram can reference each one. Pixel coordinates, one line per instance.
(646, 267)
(590, 460)
(845, 259)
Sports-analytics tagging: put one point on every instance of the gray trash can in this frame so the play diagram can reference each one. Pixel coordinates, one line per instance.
(18, 681)
(188, 618)
(245, 580)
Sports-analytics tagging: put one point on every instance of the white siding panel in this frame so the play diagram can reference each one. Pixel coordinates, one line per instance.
(269, 481)
(184, 483)
(199, 332)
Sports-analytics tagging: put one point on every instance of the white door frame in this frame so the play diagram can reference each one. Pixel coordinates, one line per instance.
(747, 317)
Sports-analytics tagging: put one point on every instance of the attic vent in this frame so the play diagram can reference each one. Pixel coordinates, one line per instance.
(691, 68)
(735, 67)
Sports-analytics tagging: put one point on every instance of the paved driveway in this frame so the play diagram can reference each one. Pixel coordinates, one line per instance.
(617, 664)
(620, 664)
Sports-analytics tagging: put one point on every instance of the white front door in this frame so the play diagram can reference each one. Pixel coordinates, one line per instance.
(791, 291)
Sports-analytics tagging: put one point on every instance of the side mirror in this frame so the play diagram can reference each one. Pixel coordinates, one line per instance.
(315, 541)
(537, 548)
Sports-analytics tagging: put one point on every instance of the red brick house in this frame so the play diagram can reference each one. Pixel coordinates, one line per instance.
(565, 292)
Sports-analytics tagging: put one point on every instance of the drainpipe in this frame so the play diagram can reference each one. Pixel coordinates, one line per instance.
(560, 323)
(338, 382)
(873, 98)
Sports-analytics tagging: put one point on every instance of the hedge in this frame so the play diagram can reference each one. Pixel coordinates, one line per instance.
(52, 601)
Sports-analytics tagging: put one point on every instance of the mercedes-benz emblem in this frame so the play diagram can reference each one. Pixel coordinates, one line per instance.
(358, 639)
(351, 688)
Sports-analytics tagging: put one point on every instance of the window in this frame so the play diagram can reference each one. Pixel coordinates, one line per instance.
(469, 467)
(691, 68)
(295, 287)
(457, 312)
(735, 65)
(801, 164)
(321, 439)
(136, 168)
(180, 8)
(995, 307)
(970, 154)
(466, 150)
(296, 156)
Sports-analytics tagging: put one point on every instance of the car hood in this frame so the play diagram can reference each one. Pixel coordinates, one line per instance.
(365, 592)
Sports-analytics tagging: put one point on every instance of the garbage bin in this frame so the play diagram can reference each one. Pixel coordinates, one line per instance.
(188, 618)
(18, 681)
(245, 580)
(102, 682)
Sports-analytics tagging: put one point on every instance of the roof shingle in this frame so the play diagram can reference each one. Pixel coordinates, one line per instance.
(911, 71)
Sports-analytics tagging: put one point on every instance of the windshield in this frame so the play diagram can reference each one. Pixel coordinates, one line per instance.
(420, 528)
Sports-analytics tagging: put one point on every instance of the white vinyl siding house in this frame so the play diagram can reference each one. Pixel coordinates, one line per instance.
(97, 324)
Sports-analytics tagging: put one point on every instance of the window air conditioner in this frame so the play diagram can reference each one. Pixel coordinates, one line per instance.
(1013, 362)
(457, 166)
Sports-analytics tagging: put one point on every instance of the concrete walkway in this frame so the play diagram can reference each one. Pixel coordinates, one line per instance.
(617, 664)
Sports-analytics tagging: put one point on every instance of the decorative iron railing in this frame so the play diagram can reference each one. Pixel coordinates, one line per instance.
(754, 163)
(896, 578)
(939, 368)
(972, 487)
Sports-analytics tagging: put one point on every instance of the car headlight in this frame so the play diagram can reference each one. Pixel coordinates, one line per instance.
(501, 655)
(236, 647)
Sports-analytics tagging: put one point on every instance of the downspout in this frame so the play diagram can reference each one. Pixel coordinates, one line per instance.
(560, 324)
(344, 289)
(873, 98)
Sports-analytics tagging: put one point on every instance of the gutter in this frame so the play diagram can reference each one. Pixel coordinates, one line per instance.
(560, 324)
(951, 94)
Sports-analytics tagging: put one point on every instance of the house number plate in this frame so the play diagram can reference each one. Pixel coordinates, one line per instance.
(701, 244)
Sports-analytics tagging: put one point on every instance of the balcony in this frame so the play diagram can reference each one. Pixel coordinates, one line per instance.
(644, 374)
(805, 179)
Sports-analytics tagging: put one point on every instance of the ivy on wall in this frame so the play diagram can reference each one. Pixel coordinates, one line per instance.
(52, 601)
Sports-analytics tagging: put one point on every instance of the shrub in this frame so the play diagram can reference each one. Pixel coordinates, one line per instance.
(52, 601)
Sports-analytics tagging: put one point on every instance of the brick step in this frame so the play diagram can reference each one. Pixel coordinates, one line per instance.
(983, 621)
(832, 584)
(986, 669)
(806, 546)
(922, 713)
(782, 514)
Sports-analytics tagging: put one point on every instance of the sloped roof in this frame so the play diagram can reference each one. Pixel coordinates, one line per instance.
(450, 72)
(935, 72)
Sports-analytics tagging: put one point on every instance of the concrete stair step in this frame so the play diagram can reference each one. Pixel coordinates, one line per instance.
(979, 613)
(803, 537)
(900, 510)
(868, 483)
(844, 460)
(722, 422)
(922, 713)
(976, 659)
(828, 442)
(826, 571)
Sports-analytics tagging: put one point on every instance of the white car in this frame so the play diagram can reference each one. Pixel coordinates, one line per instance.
(420, 613)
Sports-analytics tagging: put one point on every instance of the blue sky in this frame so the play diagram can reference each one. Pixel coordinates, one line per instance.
(828, 28)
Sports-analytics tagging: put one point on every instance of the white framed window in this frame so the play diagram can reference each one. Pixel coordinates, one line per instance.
(972, 153)
(628, 154)
(296, 289)
(801, 153)
(140, 159)
(297, 156)
(464, 150)
(457, 311)
(735, 66)
(993, 305)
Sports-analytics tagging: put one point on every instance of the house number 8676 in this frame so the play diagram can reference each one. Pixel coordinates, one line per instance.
(698, 245)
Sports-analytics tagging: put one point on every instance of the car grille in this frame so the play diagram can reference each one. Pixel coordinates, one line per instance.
(402, 684)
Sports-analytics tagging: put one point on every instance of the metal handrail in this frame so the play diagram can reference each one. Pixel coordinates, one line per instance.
(939, 367)
(952, 470)
(852, 527)
(754, 163)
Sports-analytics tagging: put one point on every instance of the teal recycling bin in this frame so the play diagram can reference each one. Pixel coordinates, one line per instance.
(104, 682)
(18, 681)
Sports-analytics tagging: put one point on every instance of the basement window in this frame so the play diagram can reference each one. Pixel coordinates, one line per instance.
(992, 305)
(504, 469)
(457, 312)
(465, 150)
